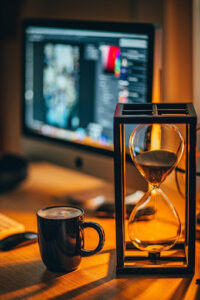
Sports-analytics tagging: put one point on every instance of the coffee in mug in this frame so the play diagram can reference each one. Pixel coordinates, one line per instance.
(61, 237)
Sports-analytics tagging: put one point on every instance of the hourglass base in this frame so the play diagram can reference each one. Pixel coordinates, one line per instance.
(154, 247)
(154, 256)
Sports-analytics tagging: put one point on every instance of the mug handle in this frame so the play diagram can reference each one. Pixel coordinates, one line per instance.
(101, 234)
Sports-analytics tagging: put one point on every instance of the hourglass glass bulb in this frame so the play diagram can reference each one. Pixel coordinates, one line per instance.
(155, 165)
(159, 230)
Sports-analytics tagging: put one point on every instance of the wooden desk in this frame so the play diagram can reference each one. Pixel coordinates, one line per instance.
(24, 276)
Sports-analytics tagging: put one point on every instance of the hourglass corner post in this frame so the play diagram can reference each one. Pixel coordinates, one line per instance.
(119, 177)
(192, 192)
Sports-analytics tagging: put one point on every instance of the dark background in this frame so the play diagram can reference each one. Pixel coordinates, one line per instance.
(175, 16)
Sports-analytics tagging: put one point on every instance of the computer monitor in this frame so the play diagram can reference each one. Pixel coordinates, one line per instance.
(74, 74)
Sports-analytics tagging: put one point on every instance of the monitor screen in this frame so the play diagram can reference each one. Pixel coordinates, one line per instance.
(75, 72)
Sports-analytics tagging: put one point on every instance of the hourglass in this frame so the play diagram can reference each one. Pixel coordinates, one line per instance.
(152, 241)
(155, 150)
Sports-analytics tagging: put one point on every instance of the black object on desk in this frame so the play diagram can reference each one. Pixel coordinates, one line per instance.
(13, 170)
(18, 240)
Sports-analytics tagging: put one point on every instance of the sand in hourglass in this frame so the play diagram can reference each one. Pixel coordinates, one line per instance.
(155, 165)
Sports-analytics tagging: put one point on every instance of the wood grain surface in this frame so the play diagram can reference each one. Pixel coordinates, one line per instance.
(24, 276)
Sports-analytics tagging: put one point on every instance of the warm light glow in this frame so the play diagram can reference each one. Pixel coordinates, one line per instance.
(157, 84)
(153, 192)
(155, 137)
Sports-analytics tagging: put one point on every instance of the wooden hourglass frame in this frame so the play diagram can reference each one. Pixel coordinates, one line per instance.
(180, 257)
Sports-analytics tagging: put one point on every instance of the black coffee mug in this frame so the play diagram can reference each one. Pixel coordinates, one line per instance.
(61, 237)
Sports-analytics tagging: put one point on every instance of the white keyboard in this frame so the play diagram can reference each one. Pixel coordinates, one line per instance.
(9, 226)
